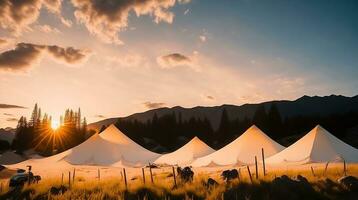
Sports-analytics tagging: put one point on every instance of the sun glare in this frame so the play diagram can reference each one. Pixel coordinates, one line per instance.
(55, 125)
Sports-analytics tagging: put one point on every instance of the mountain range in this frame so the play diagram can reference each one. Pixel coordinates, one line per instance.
(303, 106)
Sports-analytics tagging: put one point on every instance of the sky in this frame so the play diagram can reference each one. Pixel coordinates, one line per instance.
(116, 58)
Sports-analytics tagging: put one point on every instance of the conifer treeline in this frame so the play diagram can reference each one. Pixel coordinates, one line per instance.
(168, 128)
(36, 133)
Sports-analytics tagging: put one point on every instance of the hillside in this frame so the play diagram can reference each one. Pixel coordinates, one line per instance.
(304, 106)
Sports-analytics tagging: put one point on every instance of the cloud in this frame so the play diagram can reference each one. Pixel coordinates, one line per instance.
(48, 29)
(153, 105)
(8, 114)
(127, 60)
(105, 19)
(17, 16)
(99, 116)
(12, 119)
(210, 97)
(173, 60)
(10, 106)
(69, 55)
(26, 54)
(3, 42)
(202, 38)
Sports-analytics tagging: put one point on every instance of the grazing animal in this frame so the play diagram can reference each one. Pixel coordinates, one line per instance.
(229, 175)
(349, 182)
(58, 190)
(185, 174)
(211, 183)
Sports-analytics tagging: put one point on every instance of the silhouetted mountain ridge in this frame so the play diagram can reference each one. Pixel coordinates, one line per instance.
(303, 106)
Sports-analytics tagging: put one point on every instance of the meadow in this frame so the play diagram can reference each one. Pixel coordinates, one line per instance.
(322, 185)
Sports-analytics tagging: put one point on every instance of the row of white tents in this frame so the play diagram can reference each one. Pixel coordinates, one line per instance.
(114, 148)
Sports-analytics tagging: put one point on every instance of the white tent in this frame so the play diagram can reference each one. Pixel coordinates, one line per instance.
(242, 150)
(195, 148)
(316, 146)
(111, 147)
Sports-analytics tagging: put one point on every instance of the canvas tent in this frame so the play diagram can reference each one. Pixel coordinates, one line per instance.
(242, 150)
(316, 146)
(195, 148)
(110, 147)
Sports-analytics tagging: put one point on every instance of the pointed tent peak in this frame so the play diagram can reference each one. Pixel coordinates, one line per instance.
(318, 129)
(253, 130)
(113, 134)
(195, 139)
(197, 142)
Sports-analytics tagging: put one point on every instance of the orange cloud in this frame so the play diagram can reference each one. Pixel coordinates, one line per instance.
(25, 54)
(105, 19)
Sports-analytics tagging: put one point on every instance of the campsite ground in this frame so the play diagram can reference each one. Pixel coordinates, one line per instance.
(110, 184)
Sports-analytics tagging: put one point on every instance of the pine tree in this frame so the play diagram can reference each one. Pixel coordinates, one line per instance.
(79, 118)
(34, 116)
(274, 122)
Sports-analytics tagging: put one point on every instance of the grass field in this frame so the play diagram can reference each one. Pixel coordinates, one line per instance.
(163, 186)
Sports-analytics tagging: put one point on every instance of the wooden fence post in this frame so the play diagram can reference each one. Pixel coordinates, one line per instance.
(344, 167)
(151, 174)
(143, 174)
(175, 180)
(263, 161)
(239, 174)
(125, 177)
(312, 171)
(99, 174)
(325, 168)
(248, 170)
(256, 168)
(69, 179)
(74, 175)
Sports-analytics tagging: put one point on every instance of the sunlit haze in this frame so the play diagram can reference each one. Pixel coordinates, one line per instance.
(139, 56)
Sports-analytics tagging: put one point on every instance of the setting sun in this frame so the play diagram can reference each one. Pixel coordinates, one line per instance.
(55, 125)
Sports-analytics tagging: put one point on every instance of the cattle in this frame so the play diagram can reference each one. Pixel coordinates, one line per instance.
(58, 190)
(20, 179)
(185, 174)
(229, 175)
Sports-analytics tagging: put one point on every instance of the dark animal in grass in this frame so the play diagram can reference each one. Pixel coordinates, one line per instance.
(349, 182)
(211, 183)
(58, 190)
(229, 175)
(19, 179)
(185, 174)
(286, 188)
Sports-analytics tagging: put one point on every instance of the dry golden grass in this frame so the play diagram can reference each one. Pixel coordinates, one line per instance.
(163, 186)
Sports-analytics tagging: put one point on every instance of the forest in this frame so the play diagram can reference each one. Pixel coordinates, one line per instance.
(37, 133)
(167, 129)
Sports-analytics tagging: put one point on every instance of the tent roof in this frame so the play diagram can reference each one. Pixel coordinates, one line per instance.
(107, 148)
(242, 150)
(195, 148)
(316, 146)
